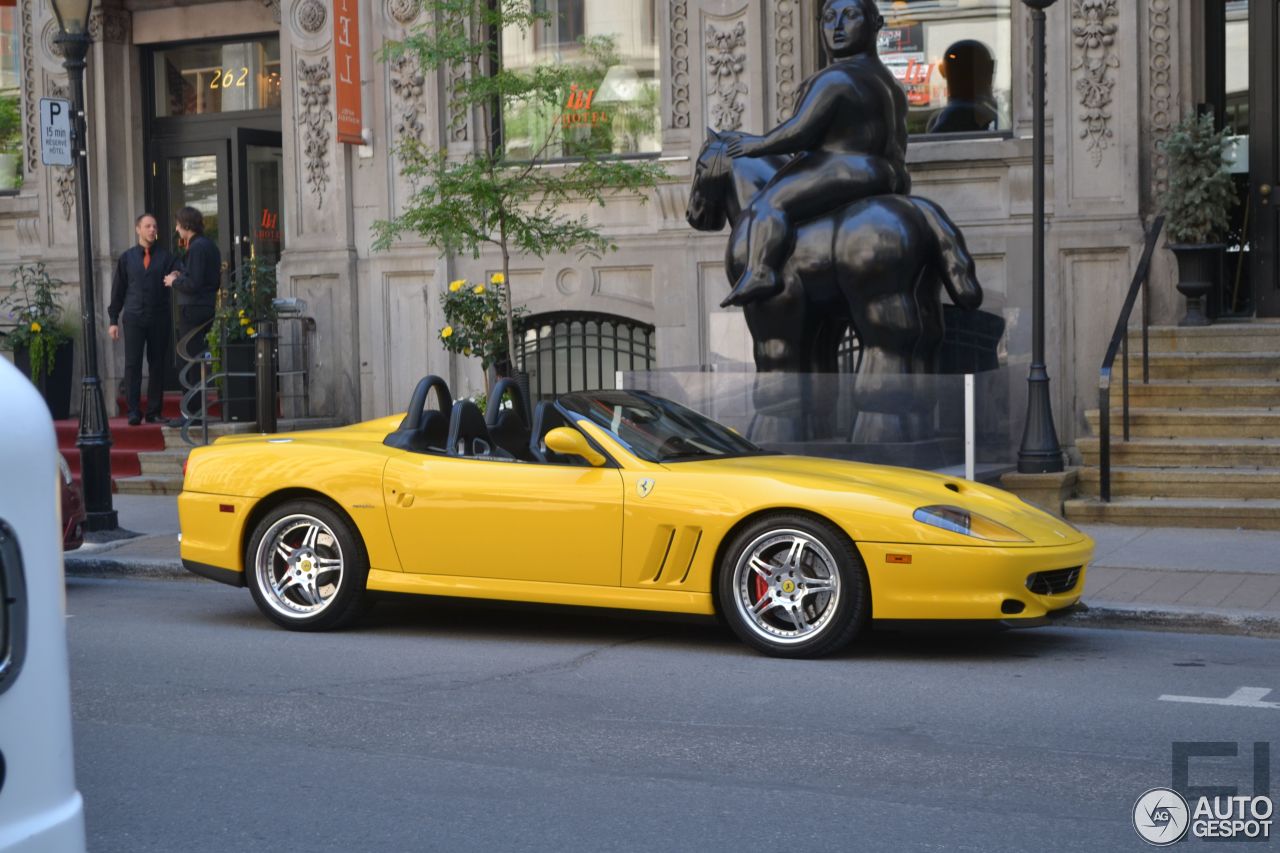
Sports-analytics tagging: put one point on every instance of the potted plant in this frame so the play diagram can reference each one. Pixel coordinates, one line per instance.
(10, 142)
(1197, 205)
(41, 341)
(476, 323)
(247, 302)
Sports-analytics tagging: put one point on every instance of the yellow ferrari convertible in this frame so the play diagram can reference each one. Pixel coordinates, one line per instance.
(612, 499)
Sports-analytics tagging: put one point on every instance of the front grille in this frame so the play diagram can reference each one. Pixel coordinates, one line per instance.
(1055, 582)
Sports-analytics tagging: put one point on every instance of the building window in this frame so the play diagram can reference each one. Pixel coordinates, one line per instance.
(953, 58)
(217, 78)
(612, 108)
(568, 351)
(10, 99)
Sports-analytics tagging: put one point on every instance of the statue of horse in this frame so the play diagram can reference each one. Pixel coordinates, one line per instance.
(877, 265)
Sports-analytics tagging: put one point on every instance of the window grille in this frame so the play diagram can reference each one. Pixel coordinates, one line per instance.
(568, 351)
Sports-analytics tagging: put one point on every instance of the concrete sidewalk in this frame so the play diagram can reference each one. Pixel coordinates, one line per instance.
(1207, 580)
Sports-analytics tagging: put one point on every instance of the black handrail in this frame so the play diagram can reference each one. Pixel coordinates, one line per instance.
(1120, 343)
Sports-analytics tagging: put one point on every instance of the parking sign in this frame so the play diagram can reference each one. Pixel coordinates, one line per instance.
(55, 132)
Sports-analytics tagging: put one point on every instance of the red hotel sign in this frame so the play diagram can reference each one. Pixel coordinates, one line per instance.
(346, 54)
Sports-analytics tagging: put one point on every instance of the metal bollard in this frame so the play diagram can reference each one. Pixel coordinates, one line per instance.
(266, 349)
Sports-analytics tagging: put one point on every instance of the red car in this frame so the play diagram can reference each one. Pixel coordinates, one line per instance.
(72, 508)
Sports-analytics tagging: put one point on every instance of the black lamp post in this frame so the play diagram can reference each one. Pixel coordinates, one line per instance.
(94, 438)
(1040, 452)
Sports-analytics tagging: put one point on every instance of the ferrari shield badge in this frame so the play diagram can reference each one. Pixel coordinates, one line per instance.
(644, 487)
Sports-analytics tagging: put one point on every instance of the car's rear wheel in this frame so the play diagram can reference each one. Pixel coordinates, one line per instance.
(793, 586)
(306, 567)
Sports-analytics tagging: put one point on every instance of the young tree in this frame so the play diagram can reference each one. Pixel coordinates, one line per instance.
(486, 198)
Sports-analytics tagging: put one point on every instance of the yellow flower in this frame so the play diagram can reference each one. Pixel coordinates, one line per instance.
(446, 332)
(244, 321)
(466, 350)
(251, 331)
(478, 289)
(497, 278)
(35, 327)
(241, 312)
(455, 286)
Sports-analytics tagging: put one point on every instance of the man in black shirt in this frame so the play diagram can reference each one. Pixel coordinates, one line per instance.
(140, 298)
(195, 286)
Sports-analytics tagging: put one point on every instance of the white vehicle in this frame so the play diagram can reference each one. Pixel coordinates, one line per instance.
(40, 808)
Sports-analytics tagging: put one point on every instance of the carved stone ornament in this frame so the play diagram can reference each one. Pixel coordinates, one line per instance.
(110, 26)
(408, 83)
(680, 63)
(313, 98)
(1095, 59)
(726, 62)
(31, 125)
(311, 16)
(64, 177)
(784, 45)
(1160, 92)
(274, 6)
(52, 50)
(457, 109)
(404, 11)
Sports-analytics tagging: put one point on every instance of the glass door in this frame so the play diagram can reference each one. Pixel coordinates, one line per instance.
(1264, 154)
(260, 195)
(194, 174)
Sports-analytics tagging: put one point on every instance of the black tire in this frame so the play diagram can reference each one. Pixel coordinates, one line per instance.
(320, 585)
(805, 610)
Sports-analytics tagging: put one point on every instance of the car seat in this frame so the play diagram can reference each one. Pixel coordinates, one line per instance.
(468, 435)
(424, 430)
(509, 428)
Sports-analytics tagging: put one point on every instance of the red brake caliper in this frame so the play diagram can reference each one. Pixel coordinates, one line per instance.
(761, 587)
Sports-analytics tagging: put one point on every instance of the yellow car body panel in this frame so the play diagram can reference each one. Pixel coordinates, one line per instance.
(632, 534)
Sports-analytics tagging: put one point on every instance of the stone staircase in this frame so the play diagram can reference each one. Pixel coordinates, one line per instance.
(1204, 448)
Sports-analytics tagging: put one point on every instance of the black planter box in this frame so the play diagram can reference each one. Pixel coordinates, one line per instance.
(55, 386)
(239, 403)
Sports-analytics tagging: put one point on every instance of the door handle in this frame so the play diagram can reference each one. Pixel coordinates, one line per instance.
(1264, 192)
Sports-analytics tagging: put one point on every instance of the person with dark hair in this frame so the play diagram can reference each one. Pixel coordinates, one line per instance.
(848, 138)
(140, 297)
(968, 68)
(196, 286)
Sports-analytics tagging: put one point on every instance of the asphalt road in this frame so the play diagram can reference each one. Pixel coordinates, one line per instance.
(457, 726)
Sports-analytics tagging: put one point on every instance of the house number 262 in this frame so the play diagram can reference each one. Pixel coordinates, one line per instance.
(226, 79)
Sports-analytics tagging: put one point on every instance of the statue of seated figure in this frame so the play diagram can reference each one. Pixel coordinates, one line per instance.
(849, 141)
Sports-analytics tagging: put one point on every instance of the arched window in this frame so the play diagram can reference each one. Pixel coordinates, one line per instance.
(565, 351)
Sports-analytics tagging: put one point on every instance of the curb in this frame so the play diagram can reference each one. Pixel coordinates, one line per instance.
(135, 567)
(1178, 619)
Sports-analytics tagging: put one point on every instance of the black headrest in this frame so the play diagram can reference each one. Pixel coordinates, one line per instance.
(418, 402)
(494, 410)
(468, 435)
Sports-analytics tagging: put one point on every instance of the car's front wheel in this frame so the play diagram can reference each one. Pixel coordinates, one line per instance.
(306, 567)
(793, 586)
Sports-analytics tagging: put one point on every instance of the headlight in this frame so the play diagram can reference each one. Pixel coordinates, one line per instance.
(957, 520)
(65, 469)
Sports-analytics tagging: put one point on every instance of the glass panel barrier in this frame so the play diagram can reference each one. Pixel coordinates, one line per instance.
(916, 421)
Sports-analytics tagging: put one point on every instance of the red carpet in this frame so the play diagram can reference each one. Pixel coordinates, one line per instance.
(126, 441)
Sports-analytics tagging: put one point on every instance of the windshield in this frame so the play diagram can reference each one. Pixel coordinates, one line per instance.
(656, 429)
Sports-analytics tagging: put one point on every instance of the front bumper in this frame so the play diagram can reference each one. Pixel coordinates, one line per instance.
(969, 582)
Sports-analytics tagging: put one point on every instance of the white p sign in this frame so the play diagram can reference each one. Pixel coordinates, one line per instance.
(55, 132)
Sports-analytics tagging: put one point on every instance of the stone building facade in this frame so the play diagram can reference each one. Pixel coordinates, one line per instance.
(1120, 74)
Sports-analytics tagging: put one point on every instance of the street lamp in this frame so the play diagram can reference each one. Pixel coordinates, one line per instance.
(1040, 452)
(94, 438)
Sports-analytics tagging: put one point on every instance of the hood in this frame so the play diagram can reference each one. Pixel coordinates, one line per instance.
(908, 488)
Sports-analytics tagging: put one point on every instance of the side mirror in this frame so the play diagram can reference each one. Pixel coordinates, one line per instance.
(570, 442)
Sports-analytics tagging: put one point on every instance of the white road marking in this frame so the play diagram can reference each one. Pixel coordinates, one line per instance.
(1244, 697)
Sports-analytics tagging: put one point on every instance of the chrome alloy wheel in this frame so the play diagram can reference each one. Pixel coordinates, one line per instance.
(786, 586)
(299, 566)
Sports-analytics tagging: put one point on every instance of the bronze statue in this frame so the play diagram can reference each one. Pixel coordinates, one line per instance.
(824, 235)
(848, 138)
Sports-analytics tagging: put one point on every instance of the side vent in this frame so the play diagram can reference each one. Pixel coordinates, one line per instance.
(671, 554)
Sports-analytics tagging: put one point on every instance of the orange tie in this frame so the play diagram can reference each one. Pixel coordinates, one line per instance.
(146, 257)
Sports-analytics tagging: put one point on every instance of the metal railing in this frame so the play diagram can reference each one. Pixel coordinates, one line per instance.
(198, 379)
(1120, 344)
